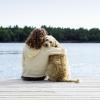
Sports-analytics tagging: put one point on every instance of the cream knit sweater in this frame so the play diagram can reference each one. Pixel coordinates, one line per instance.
(35, 61)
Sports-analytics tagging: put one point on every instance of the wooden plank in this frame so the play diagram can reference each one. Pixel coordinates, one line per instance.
(87, 89)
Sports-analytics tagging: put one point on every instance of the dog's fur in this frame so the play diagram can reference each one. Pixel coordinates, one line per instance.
(57, 67)
(50, 41)
(57, 64)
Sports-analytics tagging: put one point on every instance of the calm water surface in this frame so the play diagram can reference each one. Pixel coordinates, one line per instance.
(84, 59)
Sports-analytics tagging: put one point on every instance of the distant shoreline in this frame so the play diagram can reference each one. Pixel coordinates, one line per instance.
(79, 42)
(60, 42)
(64, 35)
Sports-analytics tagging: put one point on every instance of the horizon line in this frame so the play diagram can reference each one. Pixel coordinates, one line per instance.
(20, 26)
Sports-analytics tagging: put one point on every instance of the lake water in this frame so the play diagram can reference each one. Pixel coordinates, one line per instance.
(84, 59)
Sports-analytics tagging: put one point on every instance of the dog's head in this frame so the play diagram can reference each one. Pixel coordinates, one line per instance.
(50, 41)
(36, 38)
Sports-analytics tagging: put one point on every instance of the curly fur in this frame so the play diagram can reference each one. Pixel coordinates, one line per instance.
(57, 67)
(57, 64)
(36, 38)
(50, 41)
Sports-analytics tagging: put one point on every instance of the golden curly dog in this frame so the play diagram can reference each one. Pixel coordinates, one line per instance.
(57, 64)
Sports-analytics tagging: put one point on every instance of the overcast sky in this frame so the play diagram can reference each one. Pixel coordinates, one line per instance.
(56, 13)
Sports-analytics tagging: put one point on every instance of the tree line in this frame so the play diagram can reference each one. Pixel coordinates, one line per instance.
(17, 34)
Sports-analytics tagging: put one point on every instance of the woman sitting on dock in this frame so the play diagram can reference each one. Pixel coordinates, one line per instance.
(35, 55)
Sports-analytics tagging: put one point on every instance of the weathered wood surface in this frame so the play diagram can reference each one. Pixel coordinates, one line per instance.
(16, 89)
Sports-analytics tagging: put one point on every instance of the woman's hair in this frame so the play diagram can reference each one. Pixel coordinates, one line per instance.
(36, 38)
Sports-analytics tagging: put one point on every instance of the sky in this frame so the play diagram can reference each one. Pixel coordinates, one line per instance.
(55, 13)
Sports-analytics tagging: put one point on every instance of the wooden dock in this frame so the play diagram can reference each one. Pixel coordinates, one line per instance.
(16, 89)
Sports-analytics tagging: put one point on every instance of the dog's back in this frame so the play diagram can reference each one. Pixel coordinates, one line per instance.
(57, 67)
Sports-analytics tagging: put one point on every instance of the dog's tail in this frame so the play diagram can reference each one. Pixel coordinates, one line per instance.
(75, 81)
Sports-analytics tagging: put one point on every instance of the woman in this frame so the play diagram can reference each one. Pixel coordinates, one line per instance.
(35, 55)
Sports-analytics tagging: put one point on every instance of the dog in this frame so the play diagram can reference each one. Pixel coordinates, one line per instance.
(50, 41)
(57, 70)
